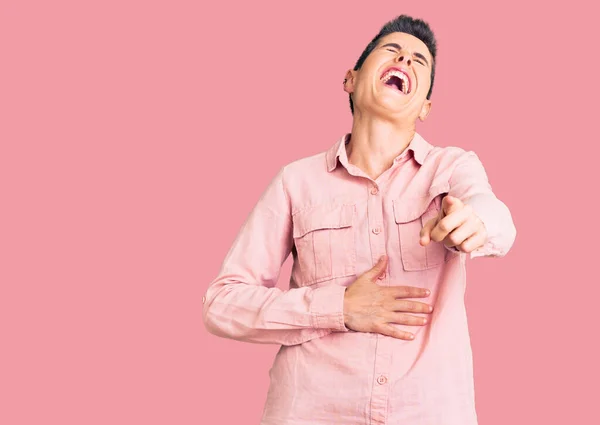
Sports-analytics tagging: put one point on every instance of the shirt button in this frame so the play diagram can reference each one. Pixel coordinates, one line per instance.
(374, 191)
(381, 380)
(377, 230)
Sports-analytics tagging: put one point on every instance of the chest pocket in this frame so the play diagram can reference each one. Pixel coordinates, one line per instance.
(410, 216)
(324, 241)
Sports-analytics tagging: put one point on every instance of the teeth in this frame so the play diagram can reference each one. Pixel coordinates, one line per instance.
(401, 75)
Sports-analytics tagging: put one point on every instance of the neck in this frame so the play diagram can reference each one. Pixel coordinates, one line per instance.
(376, 142)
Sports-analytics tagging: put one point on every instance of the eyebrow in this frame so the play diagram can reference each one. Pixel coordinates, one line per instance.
(398, 47)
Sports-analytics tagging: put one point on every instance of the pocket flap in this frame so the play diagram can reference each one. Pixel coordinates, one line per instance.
(410, 209)
(330, 216)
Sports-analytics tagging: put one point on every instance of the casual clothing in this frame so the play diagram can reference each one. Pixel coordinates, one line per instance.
(337, 222)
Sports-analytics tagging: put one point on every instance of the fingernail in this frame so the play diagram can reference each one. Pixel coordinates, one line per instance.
(411, 336)
(427, 292)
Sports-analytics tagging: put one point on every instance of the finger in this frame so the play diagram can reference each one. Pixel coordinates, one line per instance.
(408, 292)
(450, 222)
(390, 330)
(462, 232)
(474, 242)
(407, 319)
(411, 306)
(451, 204)
(378, 268)
(425, 235)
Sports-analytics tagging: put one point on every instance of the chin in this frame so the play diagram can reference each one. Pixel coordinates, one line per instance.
(391, 107)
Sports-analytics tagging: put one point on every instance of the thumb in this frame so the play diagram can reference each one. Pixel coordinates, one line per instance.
(425, 236)
(379, 267)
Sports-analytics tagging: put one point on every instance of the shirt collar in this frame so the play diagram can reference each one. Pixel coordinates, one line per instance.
(419, 146)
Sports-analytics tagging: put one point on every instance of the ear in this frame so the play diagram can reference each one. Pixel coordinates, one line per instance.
(425, 110)
(349, 83)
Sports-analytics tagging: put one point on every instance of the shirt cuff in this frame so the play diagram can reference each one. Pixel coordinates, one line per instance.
(496, 218)
(327, 308)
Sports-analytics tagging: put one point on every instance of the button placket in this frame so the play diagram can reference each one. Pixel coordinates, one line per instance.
(383, 351)
(375, 223)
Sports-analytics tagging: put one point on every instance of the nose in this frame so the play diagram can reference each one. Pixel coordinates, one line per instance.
(404, 58)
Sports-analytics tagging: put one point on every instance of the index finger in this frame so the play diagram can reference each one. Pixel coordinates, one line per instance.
(449, 223)
(409, 292)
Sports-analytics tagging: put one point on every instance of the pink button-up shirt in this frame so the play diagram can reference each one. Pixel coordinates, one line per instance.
(336, 221)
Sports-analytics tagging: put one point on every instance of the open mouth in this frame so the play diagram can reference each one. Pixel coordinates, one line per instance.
(396, 79)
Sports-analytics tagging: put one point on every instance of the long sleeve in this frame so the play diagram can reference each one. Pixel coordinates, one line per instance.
(470, 184)
(243, 302)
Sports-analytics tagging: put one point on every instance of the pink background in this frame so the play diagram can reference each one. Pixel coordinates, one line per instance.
(136, 136)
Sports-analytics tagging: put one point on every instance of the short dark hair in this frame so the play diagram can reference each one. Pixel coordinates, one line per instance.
(403, 23)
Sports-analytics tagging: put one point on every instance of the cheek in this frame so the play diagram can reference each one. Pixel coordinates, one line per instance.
(425, 80)
(368, 88)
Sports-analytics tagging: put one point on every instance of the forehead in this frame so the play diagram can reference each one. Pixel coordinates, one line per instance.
(406, 41)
